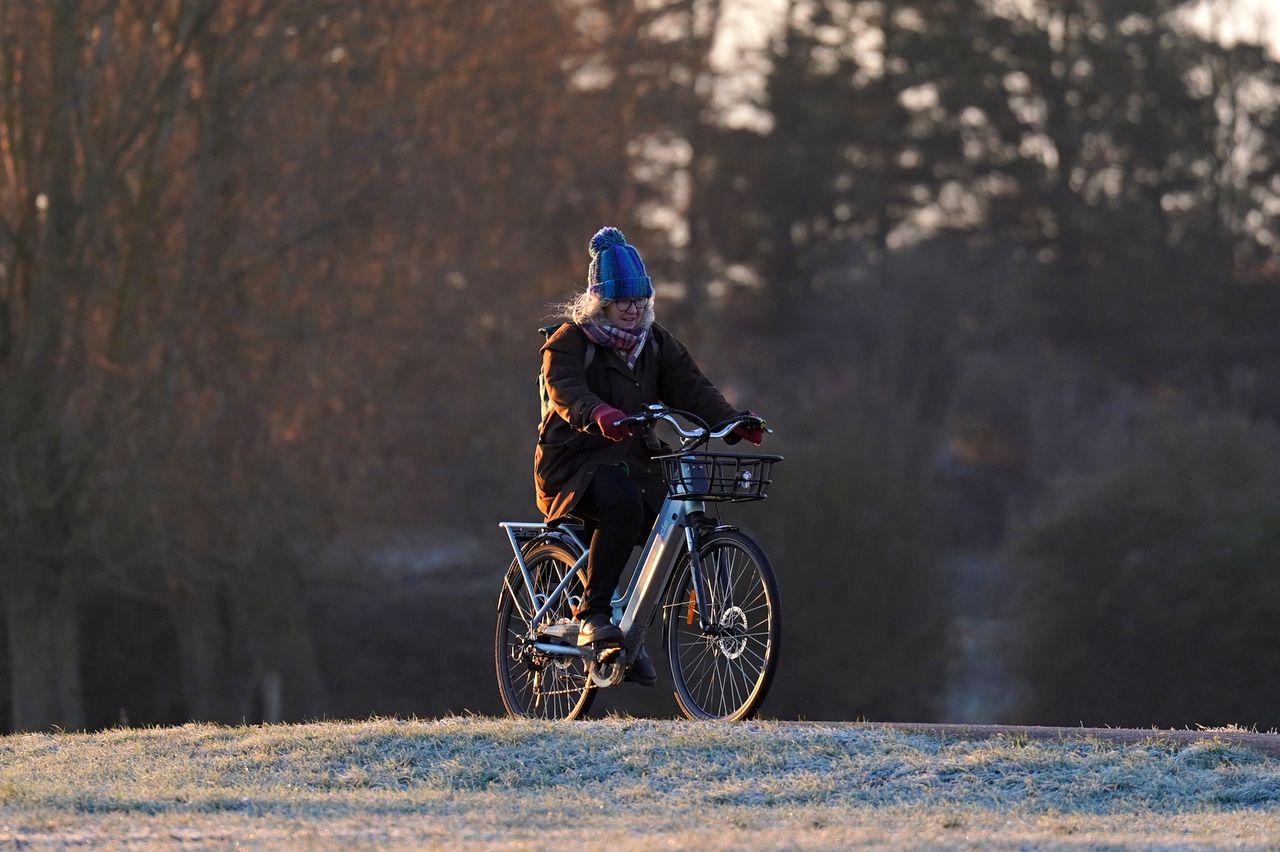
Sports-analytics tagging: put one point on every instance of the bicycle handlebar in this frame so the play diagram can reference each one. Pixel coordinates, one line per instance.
(656, 412)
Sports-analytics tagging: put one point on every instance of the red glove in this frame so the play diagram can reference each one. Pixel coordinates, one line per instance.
(744, 432)
(605, 415)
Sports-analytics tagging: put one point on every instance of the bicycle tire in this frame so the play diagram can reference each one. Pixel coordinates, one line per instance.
(727, 676)
(538, 686)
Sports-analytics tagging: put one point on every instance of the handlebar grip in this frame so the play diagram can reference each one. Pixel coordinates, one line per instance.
(754, 420)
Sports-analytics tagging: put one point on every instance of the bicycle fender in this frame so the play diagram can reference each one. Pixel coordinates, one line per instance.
(554, 536)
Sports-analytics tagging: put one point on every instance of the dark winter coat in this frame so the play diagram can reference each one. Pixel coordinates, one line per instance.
(568, 454)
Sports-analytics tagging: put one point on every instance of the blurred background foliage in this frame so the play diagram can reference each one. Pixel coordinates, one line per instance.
(1004, 276)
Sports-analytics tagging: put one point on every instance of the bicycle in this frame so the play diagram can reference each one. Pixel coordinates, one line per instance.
(722, 617)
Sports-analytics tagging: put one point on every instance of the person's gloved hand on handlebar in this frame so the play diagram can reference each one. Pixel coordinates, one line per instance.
(752, 432)
(605, 415)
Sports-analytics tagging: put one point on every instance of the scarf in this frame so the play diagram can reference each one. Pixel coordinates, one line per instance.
(626, 343)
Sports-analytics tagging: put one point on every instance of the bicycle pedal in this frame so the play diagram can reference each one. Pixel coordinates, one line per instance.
(607, 670)
(610, 653)
(601, 653)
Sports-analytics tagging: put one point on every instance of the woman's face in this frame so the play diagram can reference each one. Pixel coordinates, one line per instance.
(626, 313)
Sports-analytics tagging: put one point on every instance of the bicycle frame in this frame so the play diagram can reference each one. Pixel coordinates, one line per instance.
(648, 580)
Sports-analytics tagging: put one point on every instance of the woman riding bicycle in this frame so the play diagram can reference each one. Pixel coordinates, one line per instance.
(585, 463)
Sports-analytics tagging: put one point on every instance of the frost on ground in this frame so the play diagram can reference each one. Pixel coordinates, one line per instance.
(626, 783)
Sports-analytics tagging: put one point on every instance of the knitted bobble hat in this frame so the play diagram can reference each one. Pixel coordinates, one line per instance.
(616, 271)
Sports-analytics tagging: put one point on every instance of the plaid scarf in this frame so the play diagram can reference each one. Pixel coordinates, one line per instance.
(627, 343)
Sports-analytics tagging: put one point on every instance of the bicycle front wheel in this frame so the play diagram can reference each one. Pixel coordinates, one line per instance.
(532, 683)
(725, 671)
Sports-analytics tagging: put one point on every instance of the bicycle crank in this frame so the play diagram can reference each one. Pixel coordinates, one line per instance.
(606, 667)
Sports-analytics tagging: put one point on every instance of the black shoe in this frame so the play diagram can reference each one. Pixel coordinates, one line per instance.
(642, 671)
(598, 628)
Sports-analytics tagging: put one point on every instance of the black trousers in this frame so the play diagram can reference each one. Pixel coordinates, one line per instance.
(613, 505)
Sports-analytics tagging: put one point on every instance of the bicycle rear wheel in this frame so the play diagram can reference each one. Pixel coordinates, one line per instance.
(532, 683)
(723, 673)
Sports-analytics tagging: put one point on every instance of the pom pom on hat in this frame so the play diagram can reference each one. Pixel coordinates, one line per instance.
(616, 271)
(604, 238)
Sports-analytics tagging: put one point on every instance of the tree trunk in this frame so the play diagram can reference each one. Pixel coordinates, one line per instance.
(201, 639)
(44, 651)
(283, 650)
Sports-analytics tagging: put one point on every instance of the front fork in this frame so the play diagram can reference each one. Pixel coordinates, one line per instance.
(703, 597)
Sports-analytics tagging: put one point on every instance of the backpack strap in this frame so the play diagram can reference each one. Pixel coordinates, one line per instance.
(548, 330)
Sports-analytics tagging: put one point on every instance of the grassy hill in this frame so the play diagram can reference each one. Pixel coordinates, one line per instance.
(621, 782)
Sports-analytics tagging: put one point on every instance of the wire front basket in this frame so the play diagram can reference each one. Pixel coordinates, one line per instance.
(717, 477)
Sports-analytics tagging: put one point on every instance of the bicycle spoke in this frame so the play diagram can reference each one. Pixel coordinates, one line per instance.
(515, 601)
(759, 596)
(699, 673)
(723, 674)
(716, 681)
(749, 677)
(562, 687)
(715, 684)
(759, 658)
(731, 687)
(700, 665)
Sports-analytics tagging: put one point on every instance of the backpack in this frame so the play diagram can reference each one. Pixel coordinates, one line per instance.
(544, 397)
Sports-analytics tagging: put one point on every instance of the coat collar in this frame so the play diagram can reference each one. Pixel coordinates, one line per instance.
(615, 359)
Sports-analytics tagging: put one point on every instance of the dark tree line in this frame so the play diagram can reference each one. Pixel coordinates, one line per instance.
(1007, 284)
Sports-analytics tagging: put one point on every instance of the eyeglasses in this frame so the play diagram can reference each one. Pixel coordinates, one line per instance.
(626, 305)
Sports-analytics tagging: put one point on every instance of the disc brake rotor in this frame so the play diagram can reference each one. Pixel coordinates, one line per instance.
(732, 639)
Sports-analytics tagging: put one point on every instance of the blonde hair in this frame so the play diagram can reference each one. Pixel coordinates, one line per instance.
(581, 308)
(588, 307)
